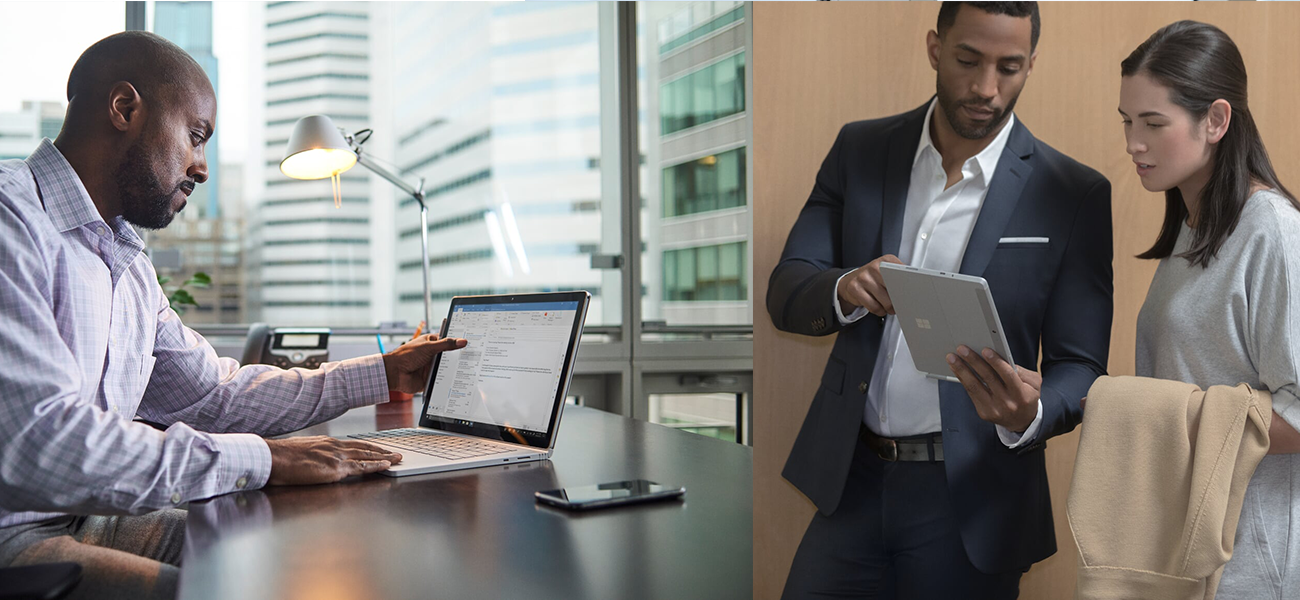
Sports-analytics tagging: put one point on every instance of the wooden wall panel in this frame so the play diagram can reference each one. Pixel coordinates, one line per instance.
(817, 66)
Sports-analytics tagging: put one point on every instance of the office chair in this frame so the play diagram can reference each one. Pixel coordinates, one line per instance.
(39, 582)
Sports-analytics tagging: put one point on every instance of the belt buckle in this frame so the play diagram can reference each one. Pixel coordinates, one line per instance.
(888, 452)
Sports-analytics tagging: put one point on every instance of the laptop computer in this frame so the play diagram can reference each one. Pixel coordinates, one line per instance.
(499, 399)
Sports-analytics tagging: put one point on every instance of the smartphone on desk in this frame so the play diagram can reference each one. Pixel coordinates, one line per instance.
(617, 493)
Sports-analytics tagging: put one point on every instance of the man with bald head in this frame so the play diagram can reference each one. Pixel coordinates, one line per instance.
(146, 173)
(89, 342)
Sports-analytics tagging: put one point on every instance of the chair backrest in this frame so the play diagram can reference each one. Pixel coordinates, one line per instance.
(255, 344)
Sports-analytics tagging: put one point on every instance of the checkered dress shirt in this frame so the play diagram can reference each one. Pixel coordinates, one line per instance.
(88, 342)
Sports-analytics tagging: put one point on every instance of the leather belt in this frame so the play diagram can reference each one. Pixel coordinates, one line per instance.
(917, 448)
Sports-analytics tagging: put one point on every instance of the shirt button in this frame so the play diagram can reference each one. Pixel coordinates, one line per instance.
(241, 482)
(176, 498)
(925, 236)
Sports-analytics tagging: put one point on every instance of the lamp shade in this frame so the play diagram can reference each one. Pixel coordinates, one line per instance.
(316, 150)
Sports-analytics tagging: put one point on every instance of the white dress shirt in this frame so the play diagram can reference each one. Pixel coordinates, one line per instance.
(937, 224)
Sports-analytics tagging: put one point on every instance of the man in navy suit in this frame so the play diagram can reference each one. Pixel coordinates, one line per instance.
(927, 488)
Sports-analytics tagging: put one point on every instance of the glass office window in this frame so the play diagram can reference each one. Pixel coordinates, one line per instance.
(706, 273)
(711, 182)
(712, 415)
(498, 107)
(694, 139)
(674, 39)
(42, 41)
(712, 92)
(495, 107)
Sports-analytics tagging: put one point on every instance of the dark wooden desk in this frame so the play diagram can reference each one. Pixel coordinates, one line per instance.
(479, 533)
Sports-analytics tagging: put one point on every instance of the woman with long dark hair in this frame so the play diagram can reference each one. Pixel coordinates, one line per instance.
(1224, 306)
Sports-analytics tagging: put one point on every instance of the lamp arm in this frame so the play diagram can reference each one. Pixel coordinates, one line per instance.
(392, 177)
(418, 194)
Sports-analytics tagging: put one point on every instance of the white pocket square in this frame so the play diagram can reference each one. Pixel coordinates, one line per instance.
(1023, 240)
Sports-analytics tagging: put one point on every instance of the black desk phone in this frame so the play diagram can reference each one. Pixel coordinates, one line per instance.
(287, 347)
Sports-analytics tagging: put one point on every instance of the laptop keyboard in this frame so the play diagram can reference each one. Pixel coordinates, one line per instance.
(424, 442)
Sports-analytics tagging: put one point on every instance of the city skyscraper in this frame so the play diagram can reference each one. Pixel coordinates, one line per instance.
(497, 107)
(695, 135)
(504, 111)
(312, 261)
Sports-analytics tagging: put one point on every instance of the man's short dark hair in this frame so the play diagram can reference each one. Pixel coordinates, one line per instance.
(148, 61)
(948, 15)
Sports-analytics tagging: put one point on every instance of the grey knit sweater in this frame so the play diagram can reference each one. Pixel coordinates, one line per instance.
(1236, 321)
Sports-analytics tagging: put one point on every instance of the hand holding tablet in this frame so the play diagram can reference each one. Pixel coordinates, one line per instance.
(1002, 393)
(939, 312)
(953, 333)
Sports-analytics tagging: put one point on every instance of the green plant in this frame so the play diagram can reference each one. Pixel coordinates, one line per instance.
(178, 297)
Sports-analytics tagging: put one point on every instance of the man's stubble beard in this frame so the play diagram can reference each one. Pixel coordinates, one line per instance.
(950, 105)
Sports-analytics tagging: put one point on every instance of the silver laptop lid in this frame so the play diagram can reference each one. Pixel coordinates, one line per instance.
(509, 383)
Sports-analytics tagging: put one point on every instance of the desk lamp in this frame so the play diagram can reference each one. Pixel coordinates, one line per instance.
(317, 149)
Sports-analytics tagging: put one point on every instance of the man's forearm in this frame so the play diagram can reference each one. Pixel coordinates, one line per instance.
(266, 401)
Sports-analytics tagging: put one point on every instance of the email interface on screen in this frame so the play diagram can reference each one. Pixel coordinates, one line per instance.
(509, 373)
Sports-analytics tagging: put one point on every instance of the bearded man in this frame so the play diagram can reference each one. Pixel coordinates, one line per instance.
(89, 342)
(927, 488)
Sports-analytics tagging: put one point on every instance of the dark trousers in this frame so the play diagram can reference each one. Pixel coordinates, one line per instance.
(122, 558)
(894, 535)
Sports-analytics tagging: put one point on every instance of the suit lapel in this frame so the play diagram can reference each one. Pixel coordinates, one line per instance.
(898, 177)
(1000, 202)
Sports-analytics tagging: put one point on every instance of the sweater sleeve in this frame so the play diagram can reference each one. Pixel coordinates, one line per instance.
(1273, 295)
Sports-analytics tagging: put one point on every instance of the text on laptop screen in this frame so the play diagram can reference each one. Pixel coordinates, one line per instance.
(509, 372)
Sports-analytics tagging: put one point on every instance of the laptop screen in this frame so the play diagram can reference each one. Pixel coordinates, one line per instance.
(504, 383)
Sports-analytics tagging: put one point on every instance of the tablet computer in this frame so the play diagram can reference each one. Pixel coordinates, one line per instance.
(938, 311)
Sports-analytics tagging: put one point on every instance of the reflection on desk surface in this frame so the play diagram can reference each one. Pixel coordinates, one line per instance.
(480, 534)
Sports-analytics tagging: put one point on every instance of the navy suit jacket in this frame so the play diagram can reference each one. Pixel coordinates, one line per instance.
(1059, 295)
